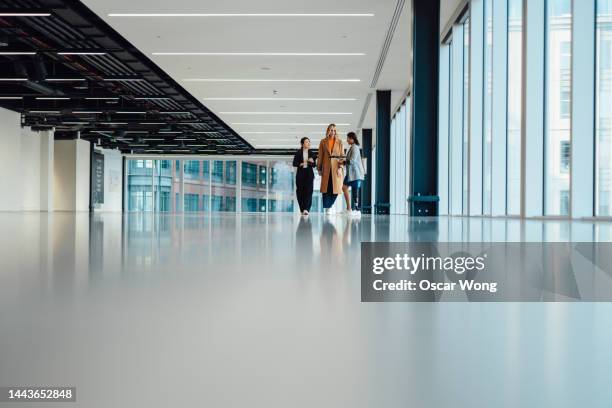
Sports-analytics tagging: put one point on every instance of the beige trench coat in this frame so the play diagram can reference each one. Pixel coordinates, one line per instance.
(325, 163)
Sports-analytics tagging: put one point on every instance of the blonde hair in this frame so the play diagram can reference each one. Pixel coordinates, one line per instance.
(329, 127)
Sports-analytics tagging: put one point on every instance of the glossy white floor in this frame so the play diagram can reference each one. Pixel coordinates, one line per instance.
(239, 311)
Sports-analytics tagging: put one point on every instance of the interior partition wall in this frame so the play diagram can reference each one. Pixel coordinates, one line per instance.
(220, 184)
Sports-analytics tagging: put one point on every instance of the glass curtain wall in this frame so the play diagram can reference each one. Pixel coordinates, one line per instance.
(254, 186)
(603, 113)
(281, 193)
(466, 115)
(191, 185)
(514, 101)
(487, 150)
(150, 185)
(399, 160)
(557, 140)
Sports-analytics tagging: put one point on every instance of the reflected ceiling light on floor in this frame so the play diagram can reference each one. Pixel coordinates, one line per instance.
(267, 80)
(263, 54)
(279, 99)
(285, 113)
(288, 124)
(241, 14)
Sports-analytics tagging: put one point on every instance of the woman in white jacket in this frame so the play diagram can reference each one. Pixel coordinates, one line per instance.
(354, 175)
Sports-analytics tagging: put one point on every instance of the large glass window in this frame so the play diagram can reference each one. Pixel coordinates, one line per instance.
(196, 185)
(487, 151)
(515, 86)
(558, 107)
(223, 196)
(253, 189)
(466, 114)
(281, 188)
(603, 115)
(150, 185)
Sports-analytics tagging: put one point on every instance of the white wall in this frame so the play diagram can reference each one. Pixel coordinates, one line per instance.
(10, 168)
(30, 170)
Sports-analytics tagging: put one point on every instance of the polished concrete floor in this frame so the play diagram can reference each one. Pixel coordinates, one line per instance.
(265, 311)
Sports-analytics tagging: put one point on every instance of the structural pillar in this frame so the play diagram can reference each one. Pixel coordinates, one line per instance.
(424, 133)
(383, 151)
(366, 190)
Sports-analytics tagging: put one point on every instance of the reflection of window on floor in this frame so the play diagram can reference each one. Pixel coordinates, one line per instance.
(141, 199)
(281, 206)
(565, 156)
(565, 201)
(191, 202)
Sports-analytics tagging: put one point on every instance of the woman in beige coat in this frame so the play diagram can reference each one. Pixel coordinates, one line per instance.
(330, 164)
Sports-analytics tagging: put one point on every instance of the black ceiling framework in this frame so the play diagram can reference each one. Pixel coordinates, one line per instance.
(114, 96)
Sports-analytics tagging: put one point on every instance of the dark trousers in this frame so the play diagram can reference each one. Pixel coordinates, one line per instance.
(303, 191)
(329, 198)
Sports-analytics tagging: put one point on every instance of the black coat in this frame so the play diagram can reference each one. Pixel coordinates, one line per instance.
(304, 175)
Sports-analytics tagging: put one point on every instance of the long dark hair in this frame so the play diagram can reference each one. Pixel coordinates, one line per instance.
(352, 135)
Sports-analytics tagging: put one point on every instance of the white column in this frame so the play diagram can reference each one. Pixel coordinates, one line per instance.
(238, 186)
(583, 109)
(46, 170)
(500, 102)
(532, 172)
(71, 175)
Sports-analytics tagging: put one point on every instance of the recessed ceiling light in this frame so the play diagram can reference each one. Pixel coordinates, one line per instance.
(263, 54)
(25, 14)
(174, 113)
(241, 15)
(267, 80)
(271, 133)
(288, 124)
(147, 98)
(131, 113)
(152, 123)
(285, 113)
(45, 111)
(86, 112)
(279, 99)
(13, 79)
(17, 53)
(124, 79)
(81, 53)
(5, 98)
(64, 79)
(52, 98)
(102, 99)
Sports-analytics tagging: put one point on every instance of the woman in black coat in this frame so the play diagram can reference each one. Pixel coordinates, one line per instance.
(304, 160)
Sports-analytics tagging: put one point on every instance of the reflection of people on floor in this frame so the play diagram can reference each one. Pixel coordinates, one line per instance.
(330, 166)
(332, 254)
(304, 161)
(355, 173)
(303, 242)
